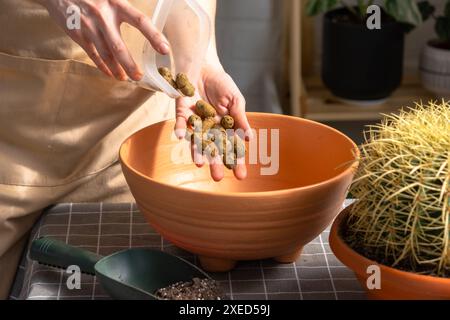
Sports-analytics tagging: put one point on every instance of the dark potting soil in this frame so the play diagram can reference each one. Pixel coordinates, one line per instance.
(372, 254)
(197, 289)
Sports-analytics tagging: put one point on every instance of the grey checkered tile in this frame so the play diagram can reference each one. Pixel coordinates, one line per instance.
(107, 228)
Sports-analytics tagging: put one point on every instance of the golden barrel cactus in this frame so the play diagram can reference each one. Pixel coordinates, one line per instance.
(402, 215)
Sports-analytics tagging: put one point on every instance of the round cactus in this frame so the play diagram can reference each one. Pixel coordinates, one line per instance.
(402, 215)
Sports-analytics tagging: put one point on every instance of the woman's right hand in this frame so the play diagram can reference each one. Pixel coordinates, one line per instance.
(99, 33)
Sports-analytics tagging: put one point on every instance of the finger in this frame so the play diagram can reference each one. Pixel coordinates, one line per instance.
(89, 47)
(140, 21)
(197, 156)
(101, 47)
(184, 109)
(237, 111)
(222, 106)
(181, 119)
(92, 52)
(216, 168)
(180, 127)
(120, 51)
(240, 171)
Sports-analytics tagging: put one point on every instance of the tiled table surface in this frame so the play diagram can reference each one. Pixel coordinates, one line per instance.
(106, 228)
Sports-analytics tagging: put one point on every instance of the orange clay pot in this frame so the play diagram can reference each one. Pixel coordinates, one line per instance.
(262, 216)
(395, 284)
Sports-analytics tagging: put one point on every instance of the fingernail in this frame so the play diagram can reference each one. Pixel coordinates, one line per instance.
(249, 135)
(123, 77)
(138, 76)
(180, 133)
(120, 76)
(108, 73)
(164, 48)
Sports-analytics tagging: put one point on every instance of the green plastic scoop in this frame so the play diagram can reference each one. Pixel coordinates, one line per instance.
(128, 274)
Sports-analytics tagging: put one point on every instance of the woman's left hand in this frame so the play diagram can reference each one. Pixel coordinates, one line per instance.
(219, 89)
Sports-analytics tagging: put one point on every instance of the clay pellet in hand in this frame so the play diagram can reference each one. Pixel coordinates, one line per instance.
(227, 122)
(239, 147)
(207, 124)
(194, 121)
(219, 136)
(204, 109)
(209, 148)
(229, 160)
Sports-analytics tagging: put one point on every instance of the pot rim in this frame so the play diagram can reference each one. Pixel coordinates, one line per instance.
(355, 260)
(430, 46)
(347, 171)
(329, 14)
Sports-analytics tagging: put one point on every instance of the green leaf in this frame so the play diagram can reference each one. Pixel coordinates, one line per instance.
(314, 7)
(426, 9)
(443, 28)
(406, 11)
(362, 8)
(447, 10)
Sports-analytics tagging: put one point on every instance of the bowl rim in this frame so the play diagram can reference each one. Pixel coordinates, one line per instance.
(352, 167)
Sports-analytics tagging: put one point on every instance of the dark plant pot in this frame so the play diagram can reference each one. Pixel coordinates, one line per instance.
(435, 68)
(358, 63)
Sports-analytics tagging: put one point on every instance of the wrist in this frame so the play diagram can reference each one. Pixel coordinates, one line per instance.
(209, 69)
(213, 62)
(212, 58)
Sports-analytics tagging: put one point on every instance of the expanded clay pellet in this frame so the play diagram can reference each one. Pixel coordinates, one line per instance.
(239, 146)
(180, 83)
(205, 110)
(229, 160)
(227, 122)
(207, 124)
(214, 137)
(167, 75)
(194, 121)
(209, 148)
(184, 85)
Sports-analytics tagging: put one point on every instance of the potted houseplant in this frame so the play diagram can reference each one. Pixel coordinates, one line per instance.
(362, 64)
(396, 236)
(435, 58)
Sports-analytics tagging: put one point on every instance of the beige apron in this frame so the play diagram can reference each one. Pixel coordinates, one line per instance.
(61, 124)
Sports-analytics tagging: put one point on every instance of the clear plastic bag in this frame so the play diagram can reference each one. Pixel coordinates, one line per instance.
(187, 27)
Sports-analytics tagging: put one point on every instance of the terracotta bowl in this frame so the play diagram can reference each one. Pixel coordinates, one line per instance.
(263, 216)
(394, 284)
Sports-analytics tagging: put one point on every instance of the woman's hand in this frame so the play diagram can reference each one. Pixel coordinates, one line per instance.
(99, 33)
(219, 89)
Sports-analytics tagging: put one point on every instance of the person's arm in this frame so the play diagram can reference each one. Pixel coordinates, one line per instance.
(99, 33)
(217, 87)
(212, 58)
